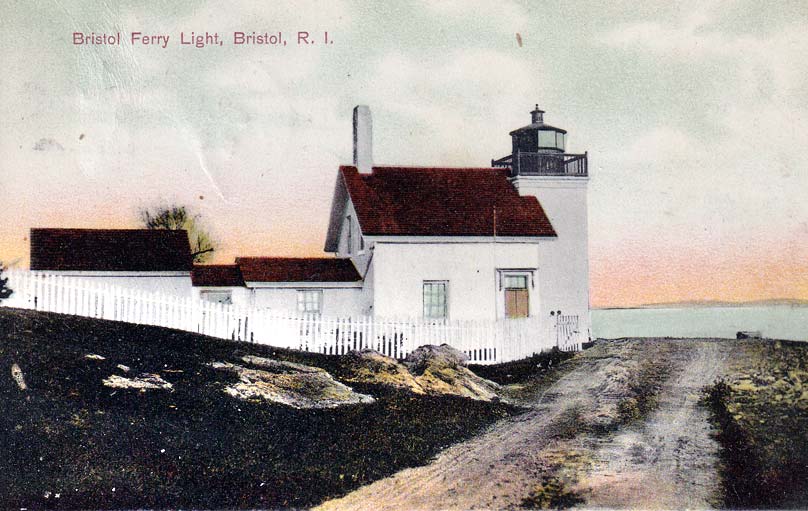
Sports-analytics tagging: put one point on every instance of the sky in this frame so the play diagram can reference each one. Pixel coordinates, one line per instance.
(694, 115)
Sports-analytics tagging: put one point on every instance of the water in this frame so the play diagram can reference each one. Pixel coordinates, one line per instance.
(773, 321)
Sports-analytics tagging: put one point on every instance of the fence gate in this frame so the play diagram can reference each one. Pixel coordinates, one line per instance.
(566, 330)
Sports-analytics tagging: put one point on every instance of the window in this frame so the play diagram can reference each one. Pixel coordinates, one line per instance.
(435, 303)
(225, 297)
(547, 139)
(350, 234)
(515, 281)
(310, 301)
(551, 139)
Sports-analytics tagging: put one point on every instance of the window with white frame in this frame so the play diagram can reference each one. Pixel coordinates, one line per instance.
(435, 299)
(515, 281)
(516, 285)
(310, 301)
(217, 296)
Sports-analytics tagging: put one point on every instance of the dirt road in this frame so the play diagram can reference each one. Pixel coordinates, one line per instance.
(569, 437)
(669, 460)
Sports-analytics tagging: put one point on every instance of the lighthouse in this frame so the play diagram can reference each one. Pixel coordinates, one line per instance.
(539, 166)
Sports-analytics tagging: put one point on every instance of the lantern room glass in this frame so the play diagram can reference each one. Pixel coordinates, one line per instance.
(549, 139)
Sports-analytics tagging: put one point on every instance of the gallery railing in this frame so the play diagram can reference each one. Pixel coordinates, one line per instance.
(544, 164)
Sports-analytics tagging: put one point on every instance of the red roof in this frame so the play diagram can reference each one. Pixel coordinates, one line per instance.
(216, 275)
(110, 250)
(427, 201)
(297, 269)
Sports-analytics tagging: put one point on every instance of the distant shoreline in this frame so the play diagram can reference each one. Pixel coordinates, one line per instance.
(712, 304)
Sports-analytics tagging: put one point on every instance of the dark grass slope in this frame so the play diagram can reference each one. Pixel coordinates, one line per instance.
(195, 447)
(521, 371)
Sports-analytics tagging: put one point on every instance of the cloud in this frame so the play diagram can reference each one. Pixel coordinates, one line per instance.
(455, 101)
(505, 16)
(47, 144)
(309, 15)
(726, 163)
(698, 39)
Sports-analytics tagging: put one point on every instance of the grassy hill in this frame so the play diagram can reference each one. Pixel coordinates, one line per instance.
(70, 442)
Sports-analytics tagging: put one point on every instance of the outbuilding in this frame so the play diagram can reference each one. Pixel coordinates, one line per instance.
(156, 261)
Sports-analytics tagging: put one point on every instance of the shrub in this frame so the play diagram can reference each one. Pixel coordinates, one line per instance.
(628, 410)
(5, 291)
(763, 454)
(551, 493)
(520, 371)
(569, 423)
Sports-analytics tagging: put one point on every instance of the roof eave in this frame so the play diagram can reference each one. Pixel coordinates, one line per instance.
(531, 127)
(338, 201)
(480, 237)
(324, 284)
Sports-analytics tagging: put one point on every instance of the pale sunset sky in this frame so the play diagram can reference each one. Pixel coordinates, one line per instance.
(695, 117)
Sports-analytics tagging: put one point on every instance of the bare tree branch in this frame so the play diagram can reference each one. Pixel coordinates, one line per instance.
(175, 218)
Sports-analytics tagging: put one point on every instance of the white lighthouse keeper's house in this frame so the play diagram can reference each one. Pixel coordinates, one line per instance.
(503, 242)
(417, 247)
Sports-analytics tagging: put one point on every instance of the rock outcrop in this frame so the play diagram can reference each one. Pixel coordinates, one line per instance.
(294, 385)
(142, 382)
(441, 370)
(370, 366)
(427, 370)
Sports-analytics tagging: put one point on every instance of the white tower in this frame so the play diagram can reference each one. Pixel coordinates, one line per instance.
(540, 167)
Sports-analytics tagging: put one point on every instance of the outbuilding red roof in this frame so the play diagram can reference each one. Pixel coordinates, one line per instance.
(110, 250)
(297, 269)
(216, 275)
(429, 201)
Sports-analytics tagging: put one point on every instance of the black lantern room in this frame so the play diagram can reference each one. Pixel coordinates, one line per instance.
(539, 149)
(538, 137)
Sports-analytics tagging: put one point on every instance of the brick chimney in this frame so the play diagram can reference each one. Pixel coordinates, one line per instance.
(362, 139)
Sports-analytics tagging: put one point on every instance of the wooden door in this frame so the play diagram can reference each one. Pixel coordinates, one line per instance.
(516, 303)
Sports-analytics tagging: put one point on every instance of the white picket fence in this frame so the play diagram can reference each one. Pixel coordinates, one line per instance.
(485, 342)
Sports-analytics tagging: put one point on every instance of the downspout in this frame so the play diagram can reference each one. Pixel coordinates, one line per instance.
(372, 251)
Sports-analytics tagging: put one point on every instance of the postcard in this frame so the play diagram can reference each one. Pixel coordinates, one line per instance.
(417, 255)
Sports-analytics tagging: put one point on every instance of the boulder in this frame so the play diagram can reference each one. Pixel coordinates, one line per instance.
(17, 376)
(294, 385)
(441, 370)
(142, 382)
(430, 355)
(280, 366)
(370, 366)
